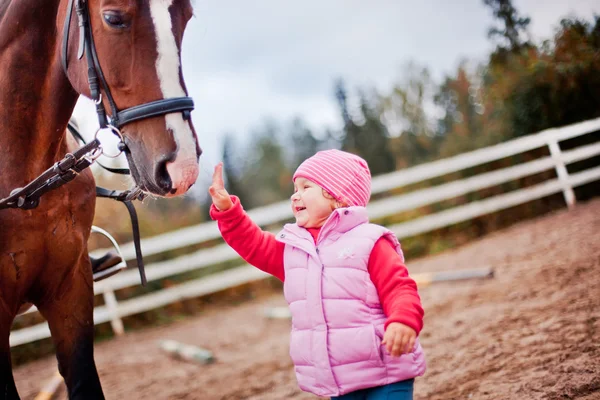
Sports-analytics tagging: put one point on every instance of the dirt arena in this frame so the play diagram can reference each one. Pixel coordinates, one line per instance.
(532, 332)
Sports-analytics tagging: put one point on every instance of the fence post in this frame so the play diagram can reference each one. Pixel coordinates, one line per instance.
(561, 171)
(111, 305)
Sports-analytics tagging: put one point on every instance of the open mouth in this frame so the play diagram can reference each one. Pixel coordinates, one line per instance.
(298, 209)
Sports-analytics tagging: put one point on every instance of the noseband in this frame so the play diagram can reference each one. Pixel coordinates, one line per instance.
(97, 82)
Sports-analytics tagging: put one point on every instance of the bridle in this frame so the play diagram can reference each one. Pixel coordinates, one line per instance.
(98, 84)
(118, 118)
(65, 170)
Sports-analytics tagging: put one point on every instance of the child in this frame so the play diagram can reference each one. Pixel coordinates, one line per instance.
(355, 311)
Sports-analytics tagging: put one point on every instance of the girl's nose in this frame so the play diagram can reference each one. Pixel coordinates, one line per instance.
(294, 196)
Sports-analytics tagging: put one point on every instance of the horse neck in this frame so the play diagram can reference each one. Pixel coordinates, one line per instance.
(37, 99)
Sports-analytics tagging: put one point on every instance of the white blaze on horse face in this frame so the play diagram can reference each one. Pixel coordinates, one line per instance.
(184, 170)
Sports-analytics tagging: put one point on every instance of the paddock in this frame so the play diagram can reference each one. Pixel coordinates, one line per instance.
(531, 332)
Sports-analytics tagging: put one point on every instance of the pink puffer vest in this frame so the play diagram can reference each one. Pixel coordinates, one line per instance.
(337, 319)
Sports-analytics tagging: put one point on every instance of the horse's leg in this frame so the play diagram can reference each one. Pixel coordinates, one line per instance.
(70, 317)
(8, 389)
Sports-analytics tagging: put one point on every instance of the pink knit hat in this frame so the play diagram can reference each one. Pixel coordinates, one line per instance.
(344, 175)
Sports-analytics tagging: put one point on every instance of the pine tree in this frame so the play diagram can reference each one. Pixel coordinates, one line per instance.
(304, 143)
(369, 138)
(513, 26)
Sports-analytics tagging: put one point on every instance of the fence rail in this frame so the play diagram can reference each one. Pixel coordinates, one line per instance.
(113, 311)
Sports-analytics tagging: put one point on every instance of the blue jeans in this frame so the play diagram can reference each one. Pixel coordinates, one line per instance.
(402, 390)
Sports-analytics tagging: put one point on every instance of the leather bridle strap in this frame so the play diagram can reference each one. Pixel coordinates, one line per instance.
(61, 172)
(97, 81)
(156, 108)
(65, 42)
(126, 197)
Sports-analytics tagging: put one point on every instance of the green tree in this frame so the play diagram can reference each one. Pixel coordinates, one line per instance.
(373, 143)
(351, 131)
(559, 85)
(267, 177)
(369, 137)
(513, 26)
(463, 117)
(303, 142)
(407, 113)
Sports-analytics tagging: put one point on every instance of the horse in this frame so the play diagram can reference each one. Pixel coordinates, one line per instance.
(124, 55)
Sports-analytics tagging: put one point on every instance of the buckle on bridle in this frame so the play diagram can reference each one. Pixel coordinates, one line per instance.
(121, 146)
(135, 193)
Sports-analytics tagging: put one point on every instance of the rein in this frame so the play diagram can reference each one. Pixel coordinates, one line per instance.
(64, 171)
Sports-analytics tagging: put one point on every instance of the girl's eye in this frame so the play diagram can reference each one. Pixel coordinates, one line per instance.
(306, 186)
(116, 20)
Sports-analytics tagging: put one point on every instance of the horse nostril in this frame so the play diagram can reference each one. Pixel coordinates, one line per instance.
(161, 175)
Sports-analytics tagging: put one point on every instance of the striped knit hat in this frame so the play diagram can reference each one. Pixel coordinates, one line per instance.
(344, 175)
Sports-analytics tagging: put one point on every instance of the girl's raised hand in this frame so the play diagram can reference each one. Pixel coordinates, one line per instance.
(219, 195)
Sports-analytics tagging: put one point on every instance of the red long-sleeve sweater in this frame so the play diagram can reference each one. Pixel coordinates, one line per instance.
(397, 291)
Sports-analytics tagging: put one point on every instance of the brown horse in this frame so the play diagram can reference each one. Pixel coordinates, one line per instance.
(123, 54)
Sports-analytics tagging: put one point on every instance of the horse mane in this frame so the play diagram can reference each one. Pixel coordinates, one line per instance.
(24, 11)
(3, 7)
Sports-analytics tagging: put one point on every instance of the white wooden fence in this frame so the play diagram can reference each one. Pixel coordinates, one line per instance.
(112, 311)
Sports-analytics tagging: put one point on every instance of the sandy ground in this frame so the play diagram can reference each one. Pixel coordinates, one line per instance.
(532, 332)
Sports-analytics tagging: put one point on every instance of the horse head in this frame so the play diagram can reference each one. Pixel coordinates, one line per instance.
(126, 55)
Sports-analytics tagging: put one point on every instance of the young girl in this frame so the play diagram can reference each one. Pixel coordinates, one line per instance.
(355, 311)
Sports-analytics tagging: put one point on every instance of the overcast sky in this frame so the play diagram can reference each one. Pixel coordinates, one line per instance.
(244, 61)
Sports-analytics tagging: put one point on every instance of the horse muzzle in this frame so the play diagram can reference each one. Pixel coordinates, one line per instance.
(169, 176)
(182, 175)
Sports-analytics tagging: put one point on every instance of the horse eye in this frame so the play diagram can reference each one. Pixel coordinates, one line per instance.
(116, 20)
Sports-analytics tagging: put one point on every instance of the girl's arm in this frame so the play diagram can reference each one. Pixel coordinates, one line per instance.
(254, 245)
(397, 291)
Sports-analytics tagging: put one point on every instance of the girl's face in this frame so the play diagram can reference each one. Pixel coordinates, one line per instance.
(311, 208)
